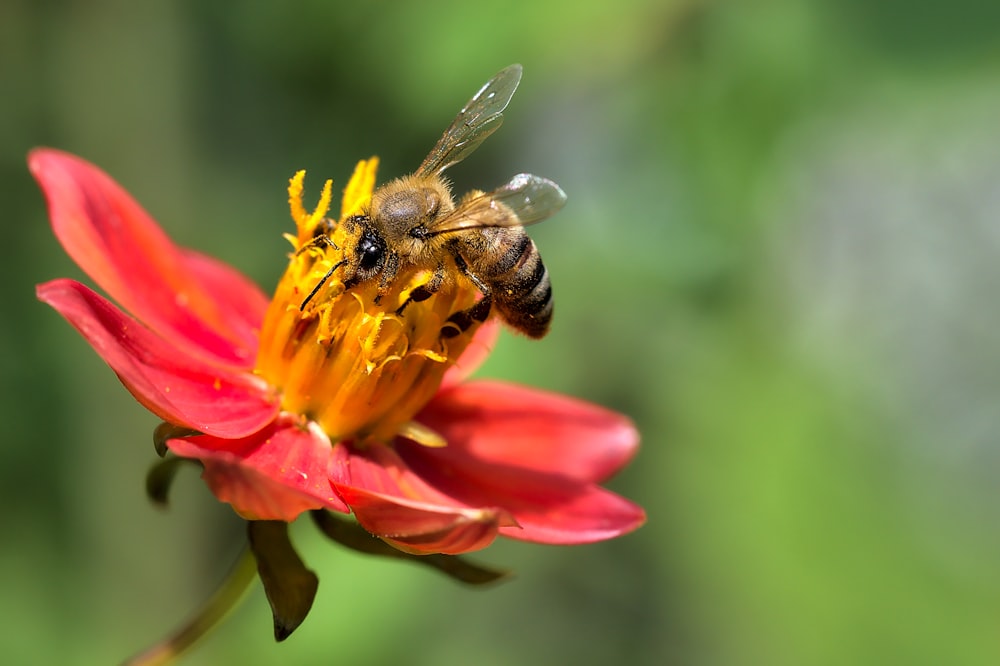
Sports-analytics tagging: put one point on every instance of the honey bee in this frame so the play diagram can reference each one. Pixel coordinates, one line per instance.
(413, 221)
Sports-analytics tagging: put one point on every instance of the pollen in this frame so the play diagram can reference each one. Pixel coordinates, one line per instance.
(358, 360)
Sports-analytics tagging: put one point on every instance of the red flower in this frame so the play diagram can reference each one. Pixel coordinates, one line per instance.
(342, 405)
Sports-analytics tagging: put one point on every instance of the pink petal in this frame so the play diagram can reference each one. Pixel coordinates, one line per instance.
(490, 423)
(120, 246)
(415, 528)
(179, 389)
(392, 503)
(244, 305)
(480, 347)
(275, 474)
(533, 453)
(548, 507)
(580, 529)
(585, 515)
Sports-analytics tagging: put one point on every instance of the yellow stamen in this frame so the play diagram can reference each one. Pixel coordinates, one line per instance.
(348, 359)
(295, 188)
(421, 434)
(306, 223)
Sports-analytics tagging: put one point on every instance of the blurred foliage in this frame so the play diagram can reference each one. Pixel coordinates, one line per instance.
(779, 256)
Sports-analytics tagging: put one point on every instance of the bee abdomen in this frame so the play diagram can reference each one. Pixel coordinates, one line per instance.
(515, 255)
(524, 296)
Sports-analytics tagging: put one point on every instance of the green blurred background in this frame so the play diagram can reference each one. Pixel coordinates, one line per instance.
(779, 257)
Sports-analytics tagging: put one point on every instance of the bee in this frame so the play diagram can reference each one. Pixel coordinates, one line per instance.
(414, 221)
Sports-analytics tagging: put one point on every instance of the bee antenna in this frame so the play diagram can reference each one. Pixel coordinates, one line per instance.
(320, 284)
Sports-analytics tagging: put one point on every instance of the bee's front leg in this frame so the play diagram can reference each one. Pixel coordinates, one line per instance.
(389, 271)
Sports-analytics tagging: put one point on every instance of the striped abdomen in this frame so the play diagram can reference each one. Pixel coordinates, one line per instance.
(506, 260)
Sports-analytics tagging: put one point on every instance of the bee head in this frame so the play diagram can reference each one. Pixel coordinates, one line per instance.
(368, 249)
(371, 253)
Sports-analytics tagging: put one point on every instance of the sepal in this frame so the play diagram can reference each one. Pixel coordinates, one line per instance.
(350, 534)
(290, 587)
(161, 476)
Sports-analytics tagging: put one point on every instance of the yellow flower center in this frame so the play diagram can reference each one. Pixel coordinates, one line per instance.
(346, 357)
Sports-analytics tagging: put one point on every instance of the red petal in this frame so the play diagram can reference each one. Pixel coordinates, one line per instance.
(416, 528)
(533, 453)
(548, 507)
(392, 503)
(480, 347)
(119, 245)
(177, 388)
(489, 424)
(275, 474)
(584, 515)
(244, 305)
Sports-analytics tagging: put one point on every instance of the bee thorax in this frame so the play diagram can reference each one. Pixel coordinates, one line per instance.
(406, 206)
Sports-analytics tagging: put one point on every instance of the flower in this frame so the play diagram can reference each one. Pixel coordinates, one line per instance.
(330, 396)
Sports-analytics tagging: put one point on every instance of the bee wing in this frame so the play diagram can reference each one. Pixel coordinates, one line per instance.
(531, 198)
(524, 200)
(480, 117)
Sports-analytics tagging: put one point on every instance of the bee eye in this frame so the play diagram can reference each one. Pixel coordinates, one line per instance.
(371, 253)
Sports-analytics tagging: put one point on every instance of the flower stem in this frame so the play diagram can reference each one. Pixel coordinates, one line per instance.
(208, 616)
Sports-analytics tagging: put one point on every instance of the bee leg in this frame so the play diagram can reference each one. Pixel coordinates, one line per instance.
(424, 291)
(317, 240)
(388, 275)
(325, 227)
(460, 321)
